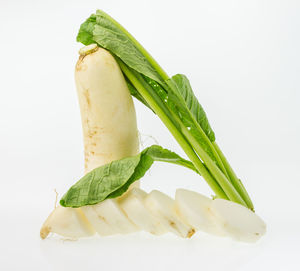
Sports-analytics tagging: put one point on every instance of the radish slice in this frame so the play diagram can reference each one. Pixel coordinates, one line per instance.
(67, 222)
(195, 210)
(163, 207)
(110, 211)
(133, 205)
(98, 222)
(238, 221)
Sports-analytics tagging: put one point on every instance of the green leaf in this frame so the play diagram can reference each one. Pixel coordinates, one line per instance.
(113, 179)
(145, 163)
(184, 90)
(103, 30)
(85, 34)
(184, 105)
(157, 153)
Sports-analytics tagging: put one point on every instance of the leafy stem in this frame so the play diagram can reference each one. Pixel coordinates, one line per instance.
(235, 180)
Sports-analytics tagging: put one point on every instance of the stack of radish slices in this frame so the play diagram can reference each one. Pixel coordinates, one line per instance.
(157, 214)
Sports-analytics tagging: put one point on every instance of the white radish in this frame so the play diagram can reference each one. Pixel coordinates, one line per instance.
(67, 222)
(238, 221)
(107, 111)
(110, 211)
(133, 205)
(163, 207)
(195, 210)
(108, 122)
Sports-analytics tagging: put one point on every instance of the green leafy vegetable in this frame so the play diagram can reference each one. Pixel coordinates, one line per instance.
(113, 179)
(172, 99)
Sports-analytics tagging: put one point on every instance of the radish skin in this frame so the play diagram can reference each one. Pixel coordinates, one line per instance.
(107, 111)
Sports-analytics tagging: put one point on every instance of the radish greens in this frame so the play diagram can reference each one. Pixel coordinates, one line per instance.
(113, 179)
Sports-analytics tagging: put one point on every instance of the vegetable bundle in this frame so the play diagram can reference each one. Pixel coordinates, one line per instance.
(173, 101)
(107, 199)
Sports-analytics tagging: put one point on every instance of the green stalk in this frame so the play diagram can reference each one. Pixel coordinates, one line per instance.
(226, 185)
(205, 138)
(235, 180)
(159, 108)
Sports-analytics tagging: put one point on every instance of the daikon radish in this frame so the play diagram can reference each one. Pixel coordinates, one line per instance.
(108, 122)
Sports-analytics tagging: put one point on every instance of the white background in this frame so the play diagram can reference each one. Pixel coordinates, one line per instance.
(243, 61)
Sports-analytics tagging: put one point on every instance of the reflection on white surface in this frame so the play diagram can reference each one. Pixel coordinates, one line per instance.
(144, 252)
